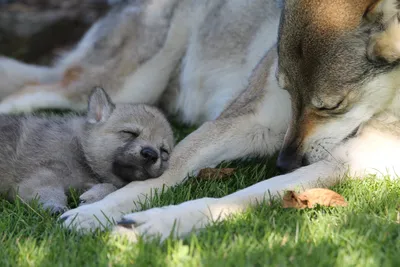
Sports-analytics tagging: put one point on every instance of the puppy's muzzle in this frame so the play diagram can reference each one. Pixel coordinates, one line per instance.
(149, 155)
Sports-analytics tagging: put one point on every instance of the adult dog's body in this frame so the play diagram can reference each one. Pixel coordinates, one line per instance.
(197, 56)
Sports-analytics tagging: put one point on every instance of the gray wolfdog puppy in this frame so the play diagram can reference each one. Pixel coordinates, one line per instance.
(109, 147)
(326, 95)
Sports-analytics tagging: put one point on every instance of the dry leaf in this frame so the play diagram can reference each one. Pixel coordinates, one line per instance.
(313, 197)
(211, 173)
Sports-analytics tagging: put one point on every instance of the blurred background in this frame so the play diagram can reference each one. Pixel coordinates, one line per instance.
(37, 31)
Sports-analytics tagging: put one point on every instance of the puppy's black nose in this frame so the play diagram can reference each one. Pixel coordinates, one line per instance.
(149, 154)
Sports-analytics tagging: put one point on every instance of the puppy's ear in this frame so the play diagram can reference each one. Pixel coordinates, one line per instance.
(100, 106)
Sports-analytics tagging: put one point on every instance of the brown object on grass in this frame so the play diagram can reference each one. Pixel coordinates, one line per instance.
(313, 197)
(212, 173)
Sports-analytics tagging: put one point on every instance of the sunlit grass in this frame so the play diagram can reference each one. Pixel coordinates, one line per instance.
(366, 233)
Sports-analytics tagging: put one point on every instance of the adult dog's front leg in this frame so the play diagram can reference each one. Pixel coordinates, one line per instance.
(253, 125)
(213, 142)
(365, 154)
(181, 219)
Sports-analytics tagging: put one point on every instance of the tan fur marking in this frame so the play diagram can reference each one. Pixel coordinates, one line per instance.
(338, 15)
(300, 129)
(71, 75)
(308, 124)
(31, 83)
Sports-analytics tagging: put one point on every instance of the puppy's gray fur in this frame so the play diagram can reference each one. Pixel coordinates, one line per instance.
(100, 152)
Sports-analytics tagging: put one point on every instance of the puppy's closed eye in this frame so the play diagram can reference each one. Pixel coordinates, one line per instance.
(130, 134)
(164, 154)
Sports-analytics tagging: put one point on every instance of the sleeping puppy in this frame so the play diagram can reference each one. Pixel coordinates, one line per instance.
(98, 153)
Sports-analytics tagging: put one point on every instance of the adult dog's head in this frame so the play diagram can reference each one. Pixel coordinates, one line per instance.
(338, 60)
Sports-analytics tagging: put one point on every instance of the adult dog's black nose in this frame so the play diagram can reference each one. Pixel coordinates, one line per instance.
(286, 166)
(288, 162)
(149, 154)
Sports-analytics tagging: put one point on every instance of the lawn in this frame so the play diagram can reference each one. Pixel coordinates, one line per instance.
(366, 233)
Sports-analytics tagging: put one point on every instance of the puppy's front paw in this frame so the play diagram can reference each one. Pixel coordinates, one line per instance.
(96, 193)
(55, 209)
(90, 217)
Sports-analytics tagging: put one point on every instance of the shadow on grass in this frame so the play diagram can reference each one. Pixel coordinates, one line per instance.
(363, 234)
(272, 236)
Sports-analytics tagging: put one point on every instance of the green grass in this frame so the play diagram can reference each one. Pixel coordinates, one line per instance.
(366, 233)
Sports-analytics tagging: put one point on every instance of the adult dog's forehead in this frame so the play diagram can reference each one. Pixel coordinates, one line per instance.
(321, 44)
(309, 27)
(335, 16)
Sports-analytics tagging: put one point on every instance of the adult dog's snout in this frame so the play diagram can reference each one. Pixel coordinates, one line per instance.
(289, 160)
(286, 164)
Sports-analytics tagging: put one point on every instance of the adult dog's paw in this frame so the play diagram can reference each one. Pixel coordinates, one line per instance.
(162, 222)
(90, 217)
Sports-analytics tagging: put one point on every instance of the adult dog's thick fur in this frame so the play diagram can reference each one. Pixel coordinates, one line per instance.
(215, 62)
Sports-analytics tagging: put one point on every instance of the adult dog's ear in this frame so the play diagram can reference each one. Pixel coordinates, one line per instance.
(100, 106)
(381, 11)
(384, 44)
